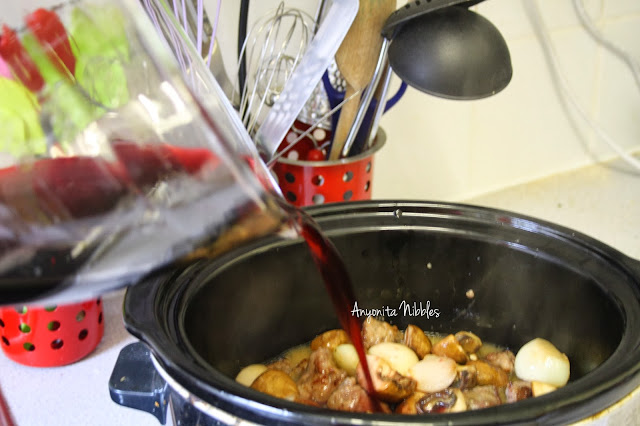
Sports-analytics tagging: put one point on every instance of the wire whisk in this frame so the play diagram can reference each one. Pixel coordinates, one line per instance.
(271, 51)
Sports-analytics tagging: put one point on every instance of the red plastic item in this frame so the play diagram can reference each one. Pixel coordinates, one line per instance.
(51, 336)
(306, 183)
(18, 60)
(51, 34)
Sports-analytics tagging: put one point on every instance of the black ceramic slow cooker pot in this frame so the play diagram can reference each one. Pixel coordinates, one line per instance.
(203, 322)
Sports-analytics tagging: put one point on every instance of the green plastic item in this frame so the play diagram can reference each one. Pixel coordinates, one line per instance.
(19, 121)
(101, 48)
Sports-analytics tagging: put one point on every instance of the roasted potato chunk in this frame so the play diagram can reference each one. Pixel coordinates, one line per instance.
(330, 339)
(276, 383)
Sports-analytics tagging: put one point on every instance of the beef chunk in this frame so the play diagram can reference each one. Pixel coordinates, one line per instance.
(518, 390)
(350, 396)
(481, 397)
(375, 331)
(321, 377)
(283, 365)
(503, 359)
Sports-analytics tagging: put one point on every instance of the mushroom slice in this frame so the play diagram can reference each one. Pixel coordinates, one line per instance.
(388, 384)
(469, 341)
(461, 403)
(490, 375)
(466, 378)
(444, 401)
(433, 373)
(330, 339)
(409, 405)
(450, 348)
(416, 339)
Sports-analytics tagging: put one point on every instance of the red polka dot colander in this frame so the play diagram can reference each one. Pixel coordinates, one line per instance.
(305, 182)
(52, 335)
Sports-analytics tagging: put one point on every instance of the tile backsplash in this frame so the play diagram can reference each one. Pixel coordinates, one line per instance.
(451, 150)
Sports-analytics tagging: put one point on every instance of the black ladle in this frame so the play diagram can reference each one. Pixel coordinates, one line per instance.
(442, 48)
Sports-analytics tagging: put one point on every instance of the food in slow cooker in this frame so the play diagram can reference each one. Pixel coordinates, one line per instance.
(413, 372)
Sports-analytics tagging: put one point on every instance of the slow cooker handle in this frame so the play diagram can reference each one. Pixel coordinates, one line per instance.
(135, 382)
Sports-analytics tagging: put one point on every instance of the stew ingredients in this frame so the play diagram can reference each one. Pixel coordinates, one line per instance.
(413, 372)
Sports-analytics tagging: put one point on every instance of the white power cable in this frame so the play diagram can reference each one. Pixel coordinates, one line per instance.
(533, 13)
(588, 24)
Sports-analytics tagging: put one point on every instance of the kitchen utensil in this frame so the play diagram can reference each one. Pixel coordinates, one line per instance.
(356, 59)
(442, 48)
(379, 109)
(365, 100)
(336, 96)
(305, 183)
(243, 21)
(194, 20)
(530, 278)
(51, 336)
(5, 414)
(306, 76)
(138, 187)
(273, 49)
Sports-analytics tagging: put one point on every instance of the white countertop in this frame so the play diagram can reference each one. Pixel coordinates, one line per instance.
(603, 202)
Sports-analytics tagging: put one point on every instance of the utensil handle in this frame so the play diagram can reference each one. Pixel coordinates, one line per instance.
(366, 99)
(335, 96)
(345, 123)
(5, 413)
(135, 383)
(418, 8)
(377, 115)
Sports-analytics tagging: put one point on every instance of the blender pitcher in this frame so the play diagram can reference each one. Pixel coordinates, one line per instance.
(112, 163)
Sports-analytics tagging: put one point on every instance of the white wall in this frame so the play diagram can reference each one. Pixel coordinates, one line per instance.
(450, 150)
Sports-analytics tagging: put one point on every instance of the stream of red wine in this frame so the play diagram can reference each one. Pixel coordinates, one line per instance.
(338, 285)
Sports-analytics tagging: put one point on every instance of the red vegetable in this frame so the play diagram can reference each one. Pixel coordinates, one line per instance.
(21, 64)
(50, 32)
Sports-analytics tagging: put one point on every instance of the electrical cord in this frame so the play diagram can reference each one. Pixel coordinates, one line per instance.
(588, 24)
(541, 32)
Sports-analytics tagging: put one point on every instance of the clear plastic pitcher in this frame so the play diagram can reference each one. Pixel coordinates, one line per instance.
(112, 164)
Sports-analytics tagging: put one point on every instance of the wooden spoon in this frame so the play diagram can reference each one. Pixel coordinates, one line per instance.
(356, 59)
